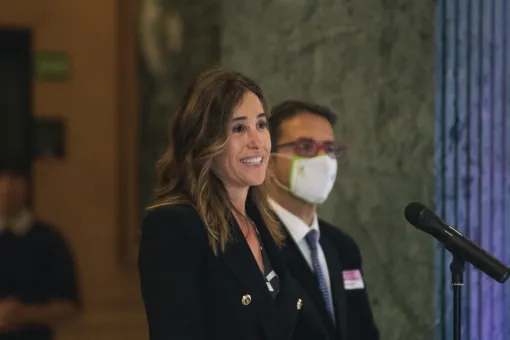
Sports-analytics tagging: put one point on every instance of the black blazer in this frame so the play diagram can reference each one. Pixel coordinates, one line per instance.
(354, 319)
(191, 294)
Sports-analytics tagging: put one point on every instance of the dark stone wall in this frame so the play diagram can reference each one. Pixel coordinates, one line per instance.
(372, 62)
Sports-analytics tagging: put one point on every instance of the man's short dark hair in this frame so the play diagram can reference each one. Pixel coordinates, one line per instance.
(291, 108)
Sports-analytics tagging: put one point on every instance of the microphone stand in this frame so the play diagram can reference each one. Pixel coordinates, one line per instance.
(457, 267)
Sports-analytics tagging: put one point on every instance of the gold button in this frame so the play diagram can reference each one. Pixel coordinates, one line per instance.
(299, 304)
(246, 299)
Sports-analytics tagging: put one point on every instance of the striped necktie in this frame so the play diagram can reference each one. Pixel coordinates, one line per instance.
(313, 243)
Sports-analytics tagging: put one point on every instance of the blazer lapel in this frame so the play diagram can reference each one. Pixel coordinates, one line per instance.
(240, 260)
(286, 300)
(300, 269)
(337, 285)
(305, 276)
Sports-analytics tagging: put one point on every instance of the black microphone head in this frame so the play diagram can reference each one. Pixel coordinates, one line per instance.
(413, 212)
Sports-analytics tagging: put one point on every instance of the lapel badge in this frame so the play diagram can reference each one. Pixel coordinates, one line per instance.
(299, 304)
(246, 299)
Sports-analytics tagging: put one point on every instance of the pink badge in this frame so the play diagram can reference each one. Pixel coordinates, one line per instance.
(353, 279)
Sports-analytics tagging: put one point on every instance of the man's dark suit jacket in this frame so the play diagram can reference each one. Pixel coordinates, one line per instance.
(354, 319)
(189, 293)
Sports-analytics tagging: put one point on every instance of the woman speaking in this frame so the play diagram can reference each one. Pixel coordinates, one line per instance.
(209, 260)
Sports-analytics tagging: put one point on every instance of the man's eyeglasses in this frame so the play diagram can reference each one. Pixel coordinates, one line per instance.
(307, 147)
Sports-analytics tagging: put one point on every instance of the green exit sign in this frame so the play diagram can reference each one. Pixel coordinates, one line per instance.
(52, 66)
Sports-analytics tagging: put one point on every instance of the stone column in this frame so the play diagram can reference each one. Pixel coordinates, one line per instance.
(178, 39)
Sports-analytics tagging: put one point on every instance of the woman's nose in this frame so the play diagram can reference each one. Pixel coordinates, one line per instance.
(255, 141)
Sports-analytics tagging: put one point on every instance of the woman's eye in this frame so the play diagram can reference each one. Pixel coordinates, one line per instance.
(238, 128)
(262, 125)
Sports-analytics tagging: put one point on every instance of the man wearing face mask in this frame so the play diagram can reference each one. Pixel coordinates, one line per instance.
(325, 260)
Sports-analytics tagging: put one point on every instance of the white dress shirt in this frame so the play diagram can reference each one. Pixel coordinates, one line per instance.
(298, 231)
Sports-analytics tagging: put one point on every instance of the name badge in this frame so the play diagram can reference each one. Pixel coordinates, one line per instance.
(353, 279)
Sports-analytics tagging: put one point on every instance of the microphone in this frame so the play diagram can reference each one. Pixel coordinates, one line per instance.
(424, 219)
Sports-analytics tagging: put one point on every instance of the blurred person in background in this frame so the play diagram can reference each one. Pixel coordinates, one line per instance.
(326, 261)
(209, 260)
(38, 287)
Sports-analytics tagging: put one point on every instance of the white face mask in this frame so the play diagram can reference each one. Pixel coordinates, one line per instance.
(311, 179)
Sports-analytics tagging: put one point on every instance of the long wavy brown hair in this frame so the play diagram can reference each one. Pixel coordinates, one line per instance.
(200, 131)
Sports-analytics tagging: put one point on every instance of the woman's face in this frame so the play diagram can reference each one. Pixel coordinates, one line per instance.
(244, 161)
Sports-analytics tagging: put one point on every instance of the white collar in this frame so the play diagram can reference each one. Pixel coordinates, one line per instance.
(21, 225)
(296, 227)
